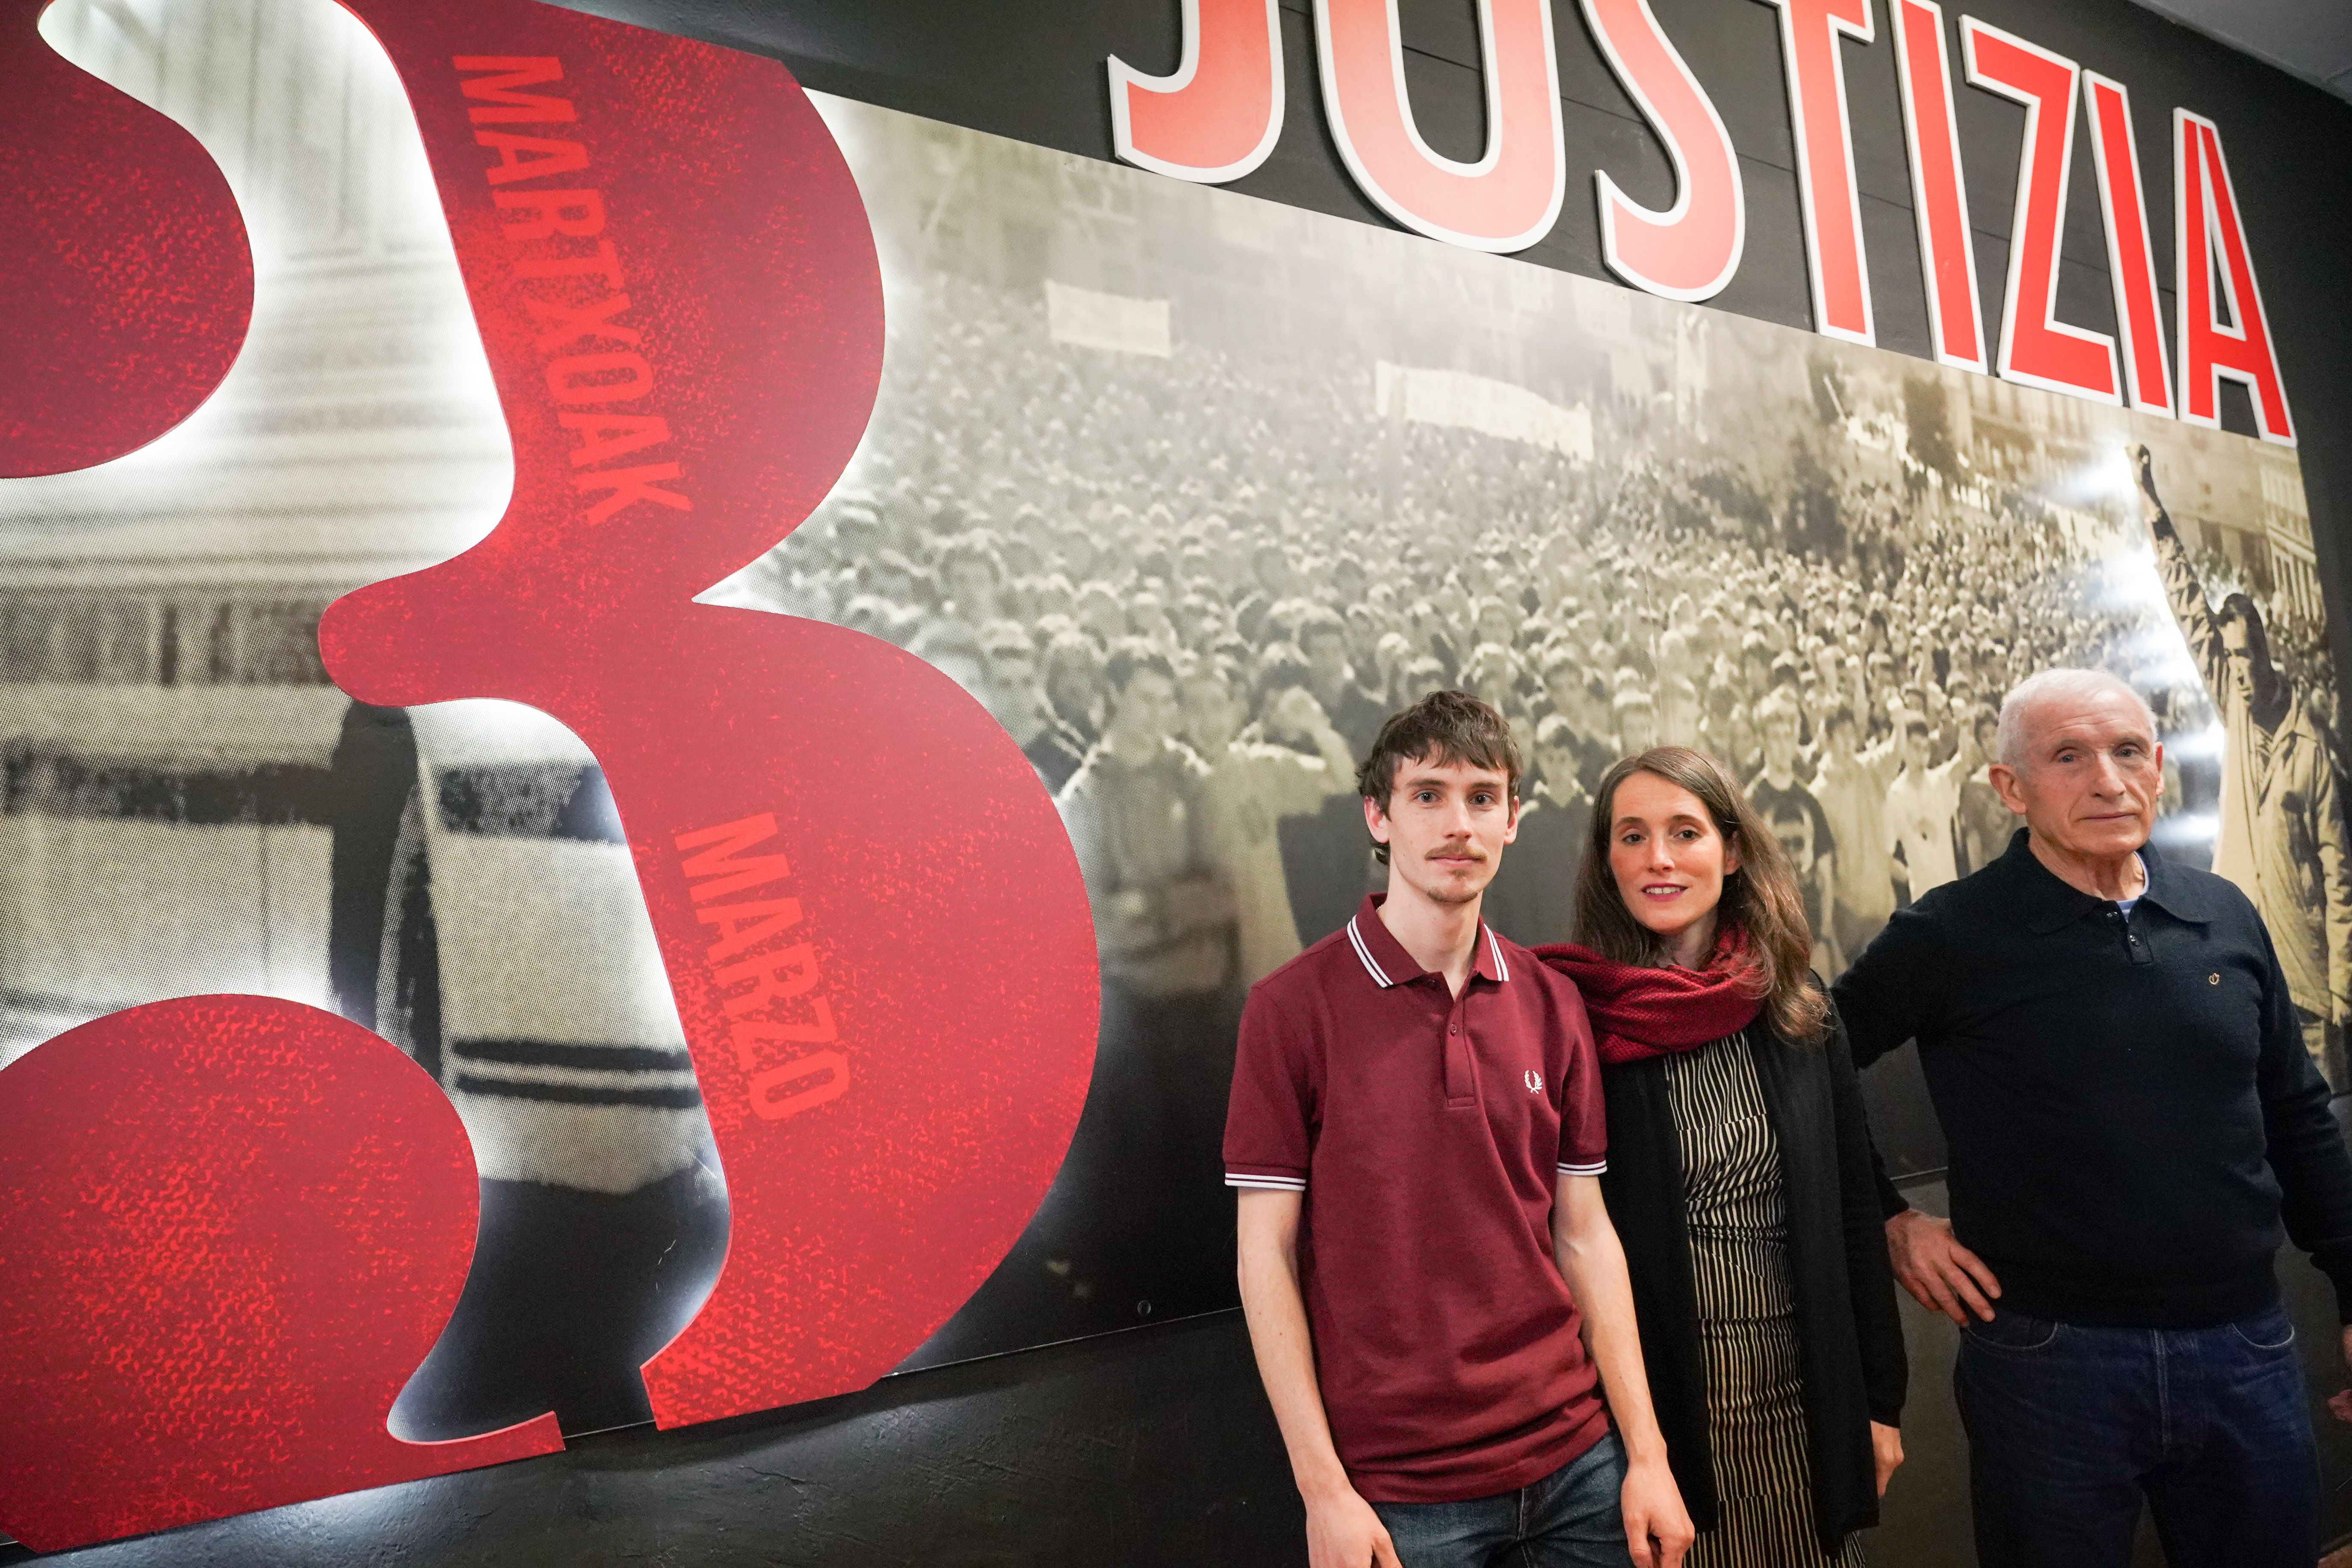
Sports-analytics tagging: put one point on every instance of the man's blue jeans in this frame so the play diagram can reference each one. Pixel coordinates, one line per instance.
(1570, 1518)
(2069, 1426)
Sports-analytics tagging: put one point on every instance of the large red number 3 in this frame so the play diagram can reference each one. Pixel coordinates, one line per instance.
(871, 919)
(870, 914)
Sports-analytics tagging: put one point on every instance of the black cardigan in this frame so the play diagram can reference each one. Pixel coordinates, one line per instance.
(1849, 1341)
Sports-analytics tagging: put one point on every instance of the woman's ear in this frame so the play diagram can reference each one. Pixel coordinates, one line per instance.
(1730, 852)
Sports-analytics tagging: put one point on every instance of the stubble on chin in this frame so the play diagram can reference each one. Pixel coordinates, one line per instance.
(1447, 888)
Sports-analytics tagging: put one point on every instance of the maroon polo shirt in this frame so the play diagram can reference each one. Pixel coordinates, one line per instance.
(1427, 1132)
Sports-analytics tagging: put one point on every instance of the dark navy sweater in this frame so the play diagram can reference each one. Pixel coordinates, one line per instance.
(2132, 1117)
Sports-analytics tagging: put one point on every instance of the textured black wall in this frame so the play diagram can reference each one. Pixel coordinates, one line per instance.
(1155, 1446)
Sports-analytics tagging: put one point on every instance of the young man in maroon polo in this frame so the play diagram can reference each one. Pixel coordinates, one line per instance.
(1434, 1291)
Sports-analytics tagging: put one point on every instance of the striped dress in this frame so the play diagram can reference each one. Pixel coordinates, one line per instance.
(1747, 1312)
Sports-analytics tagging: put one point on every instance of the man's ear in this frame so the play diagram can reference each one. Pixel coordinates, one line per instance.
(1376, 821)
(2009, 786)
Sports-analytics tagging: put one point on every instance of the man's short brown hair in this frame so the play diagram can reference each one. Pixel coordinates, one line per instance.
(1444, 728)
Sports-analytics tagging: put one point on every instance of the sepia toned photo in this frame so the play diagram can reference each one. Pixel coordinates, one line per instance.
(1194, 490)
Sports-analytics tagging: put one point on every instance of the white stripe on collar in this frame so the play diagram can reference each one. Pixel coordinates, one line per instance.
(1502, 969)
(1379, 976)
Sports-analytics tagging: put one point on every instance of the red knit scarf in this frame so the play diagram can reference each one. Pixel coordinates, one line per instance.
(1639, 1013)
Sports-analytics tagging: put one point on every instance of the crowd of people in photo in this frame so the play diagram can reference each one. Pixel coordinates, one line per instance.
(1192, 590)
(1195, 588)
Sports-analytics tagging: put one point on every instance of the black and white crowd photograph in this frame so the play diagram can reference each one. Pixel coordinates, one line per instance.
(1194, 490)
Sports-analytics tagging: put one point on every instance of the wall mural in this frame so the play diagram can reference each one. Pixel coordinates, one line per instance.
(760, 922)
(1318, 468)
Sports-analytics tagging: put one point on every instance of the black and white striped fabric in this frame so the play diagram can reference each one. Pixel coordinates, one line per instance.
(559, 1043)
(1738, 1225)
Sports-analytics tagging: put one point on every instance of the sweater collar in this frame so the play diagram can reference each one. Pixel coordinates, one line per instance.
(2048, 904)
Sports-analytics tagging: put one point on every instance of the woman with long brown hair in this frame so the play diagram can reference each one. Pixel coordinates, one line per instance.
(1739, 1170)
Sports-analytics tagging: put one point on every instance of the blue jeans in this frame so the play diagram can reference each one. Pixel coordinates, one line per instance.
(2069, 1426)
(1568, 1520)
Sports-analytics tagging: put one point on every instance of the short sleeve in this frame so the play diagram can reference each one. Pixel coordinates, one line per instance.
(1267, 1144)
(1824, 841)
(1583, 1118)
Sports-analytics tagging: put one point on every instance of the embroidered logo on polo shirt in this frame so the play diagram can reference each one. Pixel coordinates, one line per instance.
(1535, 1081)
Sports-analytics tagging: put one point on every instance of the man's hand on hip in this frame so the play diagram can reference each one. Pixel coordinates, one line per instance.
(1657, 1527)
(1941, 1274)
(1342, 1532)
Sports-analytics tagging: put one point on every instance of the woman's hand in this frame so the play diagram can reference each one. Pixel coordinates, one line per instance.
(1886, 1451)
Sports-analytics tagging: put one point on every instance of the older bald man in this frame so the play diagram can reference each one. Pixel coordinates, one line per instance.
(2119, 1070)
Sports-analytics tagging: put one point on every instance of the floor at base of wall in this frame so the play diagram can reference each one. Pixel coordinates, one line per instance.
(1151, 1449)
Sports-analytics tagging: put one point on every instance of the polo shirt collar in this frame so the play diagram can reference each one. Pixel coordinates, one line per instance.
(2049, 904)
(2171, 889)
(1388, 963)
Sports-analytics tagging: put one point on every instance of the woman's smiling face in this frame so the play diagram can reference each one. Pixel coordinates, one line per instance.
(1668, 856)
